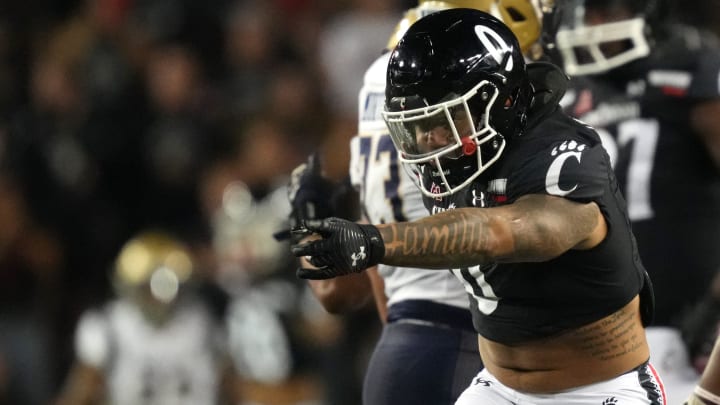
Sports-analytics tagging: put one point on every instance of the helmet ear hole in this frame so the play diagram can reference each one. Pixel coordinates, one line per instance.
(515, 15)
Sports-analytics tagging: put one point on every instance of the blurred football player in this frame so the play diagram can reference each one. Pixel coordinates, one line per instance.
(425, 312)
(651, 90)
(280, 338)
(157, 342)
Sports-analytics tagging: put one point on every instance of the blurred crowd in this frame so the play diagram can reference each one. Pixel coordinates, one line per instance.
(123, 115)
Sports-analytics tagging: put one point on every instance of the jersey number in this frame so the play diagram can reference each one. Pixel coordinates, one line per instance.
(643, 134)
(477, 286)
(380, 150)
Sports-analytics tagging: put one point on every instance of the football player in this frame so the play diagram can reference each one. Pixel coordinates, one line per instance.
(274, 336)
(651, 90)
(526, 212)
(424, 312)
(157, 342)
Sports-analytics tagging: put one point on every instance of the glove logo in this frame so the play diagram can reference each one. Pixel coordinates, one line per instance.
(358, 256)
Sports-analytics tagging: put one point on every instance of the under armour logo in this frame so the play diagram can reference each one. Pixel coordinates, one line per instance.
(482, 381)
(358, 256)
(478, 200)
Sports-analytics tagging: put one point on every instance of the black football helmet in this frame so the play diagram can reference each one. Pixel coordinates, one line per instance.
(595, 36)
(457, 90)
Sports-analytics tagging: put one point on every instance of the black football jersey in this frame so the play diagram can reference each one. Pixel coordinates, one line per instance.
(667, 176)
(514, 302)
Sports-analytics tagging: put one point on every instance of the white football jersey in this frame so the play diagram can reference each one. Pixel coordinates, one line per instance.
(388, 194)
(176, 364)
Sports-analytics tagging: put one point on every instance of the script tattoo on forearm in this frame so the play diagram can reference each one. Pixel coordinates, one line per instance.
(453, 238)
(470, 236)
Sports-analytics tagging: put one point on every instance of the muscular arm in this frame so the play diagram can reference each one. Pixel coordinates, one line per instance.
(343, 294)
(350, 293)
(535, 228)
(705, 119)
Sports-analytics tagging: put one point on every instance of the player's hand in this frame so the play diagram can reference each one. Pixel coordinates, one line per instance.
(309, 194)
(346, 247)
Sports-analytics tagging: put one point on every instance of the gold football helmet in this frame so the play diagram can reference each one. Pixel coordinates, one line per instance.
(150, 270)
(521, 16)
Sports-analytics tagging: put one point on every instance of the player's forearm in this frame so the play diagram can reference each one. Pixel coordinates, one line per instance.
(377, 284)
(340, 295)
(470, 236)
(456, 238)
(343, 294)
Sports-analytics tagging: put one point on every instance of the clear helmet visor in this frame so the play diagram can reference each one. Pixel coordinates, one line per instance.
(597, 39)
(437, 136)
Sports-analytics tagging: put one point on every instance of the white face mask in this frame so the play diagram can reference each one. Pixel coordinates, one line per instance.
(432, 135)
(589, 47)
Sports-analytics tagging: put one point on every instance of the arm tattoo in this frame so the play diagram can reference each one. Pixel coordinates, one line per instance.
(440, 240)
(534, 228)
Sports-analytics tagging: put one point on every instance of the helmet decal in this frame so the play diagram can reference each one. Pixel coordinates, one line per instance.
(489, 38)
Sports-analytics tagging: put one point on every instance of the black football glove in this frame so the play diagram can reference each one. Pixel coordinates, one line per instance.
(309, 195)
(346, 247)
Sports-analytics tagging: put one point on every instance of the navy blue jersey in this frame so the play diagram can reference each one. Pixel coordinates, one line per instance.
(671, 184)
(515, 302)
